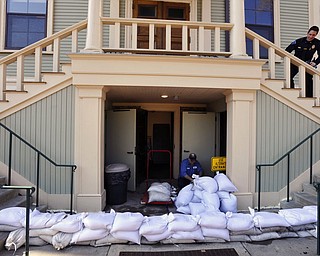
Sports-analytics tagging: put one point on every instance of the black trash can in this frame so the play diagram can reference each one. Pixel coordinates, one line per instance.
(116, 182)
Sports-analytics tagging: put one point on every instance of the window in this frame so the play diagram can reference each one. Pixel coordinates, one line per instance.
(26, 22)
(259, 18)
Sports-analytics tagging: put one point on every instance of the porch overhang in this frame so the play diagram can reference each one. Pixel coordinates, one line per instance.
(165, 71)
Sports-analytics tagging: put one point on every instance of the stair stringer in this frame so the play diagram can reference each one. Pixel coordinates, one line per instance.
(52, 83)
(52, 201)
(290, 97)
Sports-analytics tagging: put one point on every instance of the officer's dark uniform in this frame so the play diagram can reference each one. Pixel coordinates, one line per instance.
(304, 50)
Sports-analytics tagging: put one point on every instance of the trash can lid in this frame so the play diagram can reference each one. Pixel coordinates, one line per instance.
(112, 168)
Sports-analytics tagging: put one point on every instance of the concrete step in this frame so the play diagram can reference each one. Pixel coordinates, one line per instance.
(289, 205)
(3, 238)
(304, 198)
(309, 188)
(2, 180)
(316, 178)
(18, 201)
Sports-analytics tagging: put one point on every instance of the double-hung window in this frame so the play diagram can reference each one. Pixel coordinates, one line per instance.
(259, 18)
(26, 22)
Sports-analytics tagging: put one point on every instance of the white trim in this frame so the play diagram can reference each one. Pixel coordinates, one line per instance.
(50, 11)
(193, 17)
(276, 22)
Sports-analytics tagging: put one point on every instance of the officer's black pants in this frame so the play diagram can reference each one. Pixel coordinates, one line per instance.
(309, 80)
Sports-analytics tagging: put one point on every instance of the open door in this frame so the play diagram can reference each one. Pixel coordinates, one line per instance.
(198, 136)
(121, 141)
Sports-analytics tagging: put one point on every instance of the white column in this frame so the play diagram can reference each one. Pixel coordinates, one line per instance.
(94, 30)
(241, 144)
(237, 34)
(89, 148)
(206, 17)
(314, 11)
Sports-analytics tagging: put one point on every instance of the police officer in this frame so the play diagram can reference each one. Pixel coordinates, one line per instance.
(304, 48)
(189, 166)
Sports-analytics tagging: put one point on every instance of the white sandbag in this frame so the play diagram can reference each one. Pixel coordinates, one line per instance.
(312, 209)
(154, 225)
(16, 239)
(7, 228)
(61, 240)
(108, 240)
(46, 238)
(313, 232)
(265, 236)
(223, 194)
(288, 234)
(155, 196)
(99, 220)
(239, 221)
(197, 208)
(195, 235)
(213, 219)
(159, 237)
(253, 231)
(37, 241)
(303, 234)
(127, 221)
(185, 196)
(196, 199)
(298, 216)
(224, 183)
(160, 188)
(43, 220)
(42, 231)
(184, 209)
(87, 234)
(268, 219)
(12, 216)
(71, 224)
(211, 200)
(183, 222)
(301, 227)
(197, 193)
(229, 205)
(216, 233)
(206, 183)
(131, 236)
(240, 238)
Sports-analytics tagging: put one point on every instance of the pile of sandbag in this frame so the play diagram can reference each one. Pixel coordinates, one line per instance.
(207, 193)
(161, 192)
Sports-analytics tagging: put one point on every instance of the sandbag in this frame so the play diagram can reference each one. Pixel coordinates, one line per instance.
(224, 183)
(127, 221)
(197, 208)
(206, 183)
(108, 240)
(298, 216)
(211, 200)
(87, 234)
(185, 196)
(154, 225)
(37, 241)
(216, 233)
(213, 219)
(43, 220)
(12, 216)
(239, 221)
(42, 231)
(71, 224)
(194, 235)
(160, 188)
(229, 204)
(183, 222)
(184, 209)
(61, 240)
(16, 239)
(268, 219)
(155, 196)
(132, 236)
(159, 237)
(7, 228)
(265, 236)
(99, 220)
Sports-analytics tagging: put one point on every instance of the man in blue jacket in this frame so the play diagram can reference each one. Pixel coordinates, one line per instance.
(189, 166)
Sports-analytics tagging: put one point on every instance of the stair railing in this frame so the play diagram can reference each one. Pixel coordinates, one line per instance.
(287, 155)
(39, 155)
(276, 53)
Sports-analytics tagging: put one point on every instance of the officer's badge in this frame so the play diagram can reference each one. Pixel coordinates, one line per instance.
(313, 46)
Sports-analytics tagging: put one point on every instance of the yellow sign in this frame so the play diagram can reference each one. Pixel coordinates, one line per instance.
(218, 163)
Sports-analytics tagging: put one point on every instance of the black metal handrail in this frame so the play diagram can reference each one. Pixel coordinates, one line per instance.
(258, 166)
(39, 154)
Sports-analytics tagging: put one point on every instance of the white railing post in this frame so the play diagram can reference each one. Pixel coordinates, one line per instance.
(316, 89)
(117, 35)
(256, 49)
(74, 44)
(56, 55)
(151, 37)
(201, 39)
(38, 64)
(3, 80)
(168, 37)
(134, 36)
(20, 73)
(217, 39)
(287, 70)
(272, 62)
(185, 38)
(94, 31)
(302, 80)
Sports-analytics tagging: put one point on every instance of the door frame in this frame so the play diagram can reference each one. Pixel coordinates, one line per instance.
(192, 16)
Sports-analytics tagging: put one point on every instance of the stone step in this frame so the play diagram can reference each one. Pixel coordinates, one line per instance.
(3, 238)
(316, 178)
(309, 188)
(2, 180)
(304, 198)
(289, 205)
(18, 201)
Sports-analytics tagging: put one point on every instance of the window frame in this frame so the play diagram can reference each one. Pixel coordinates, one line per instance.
(3, 20)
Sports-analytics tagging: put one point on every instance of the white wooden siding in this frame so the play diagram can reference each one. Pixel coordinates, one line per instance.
(48, 125)
(280, 128)
(218, 10)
